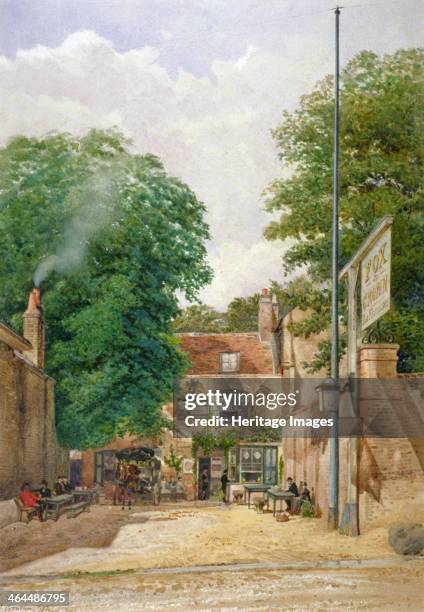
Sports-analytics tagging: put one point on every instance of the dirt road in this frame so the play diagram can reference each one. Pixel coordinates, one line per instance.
(175, 537)
(219, 558)
(393, 588)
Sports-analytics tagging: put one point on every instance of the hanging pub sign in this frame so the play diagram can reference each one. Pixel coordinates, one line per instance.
(375, 280)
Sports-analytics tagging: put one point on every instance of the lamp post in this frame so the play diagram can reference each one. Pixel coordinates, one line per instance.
(333, 480)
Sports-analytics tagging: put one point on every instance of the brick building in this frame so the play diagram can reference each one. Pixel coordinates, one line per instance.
(237, 355)
(28, 447)
(227, 354)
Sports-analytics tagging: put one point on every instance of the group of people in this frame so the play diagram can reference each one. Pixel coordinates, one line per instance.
(37, 497)
(301, 493)
(62, 486)
(129, 481)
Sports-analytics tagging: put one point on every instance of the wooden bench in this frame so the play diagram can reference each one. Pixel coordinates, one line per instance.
(25, 513)
(76, 509)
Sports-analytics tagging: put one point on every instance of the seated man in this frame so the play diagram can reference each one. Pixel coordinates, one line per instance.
(44, 490)
(66, 485)
(58, 487)
(305, 493)
(292, 488)
(30, 500)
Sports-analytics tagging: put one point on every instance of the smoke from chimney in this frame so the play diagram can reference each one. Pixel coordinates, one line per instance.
(94, 202)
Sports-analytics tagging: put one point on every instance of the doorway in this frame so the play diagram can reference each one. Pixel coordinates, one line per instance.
(75, 473)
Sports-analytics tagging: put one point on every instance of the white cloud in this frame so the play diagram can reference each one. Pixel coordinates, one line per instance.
(241, 270)
(213, 132)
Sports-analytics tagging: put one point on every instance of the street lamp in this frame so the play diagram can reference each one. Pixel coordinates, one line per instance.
(328, 395)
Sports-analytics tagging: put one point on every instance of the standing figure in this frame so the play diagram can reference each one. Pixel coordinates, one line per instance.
(131, 485)
(204, 485)
(224, 482)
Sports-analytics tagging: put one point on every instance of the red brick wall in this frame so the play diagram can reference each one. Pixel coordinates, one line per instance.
(203, 351)
(391, 474)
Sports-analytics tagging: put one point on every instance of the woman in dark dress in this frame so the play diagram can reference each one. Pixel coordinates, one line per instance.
(224, 482)
(204, 485)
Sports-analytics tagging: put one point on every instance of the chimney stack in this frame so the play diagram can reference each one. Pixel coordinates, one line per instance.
(267, 315)
(34, 328)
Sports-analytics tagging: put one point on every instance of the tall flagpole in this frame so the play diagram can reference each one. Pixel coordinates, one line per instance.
(333, 493)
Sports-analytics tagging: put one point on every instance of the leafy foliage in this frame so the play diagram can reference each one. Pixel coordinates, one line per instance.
(381, 172)
(306, 509)
(241, 316)
(120, 238)
(174, 461)
(199, 318)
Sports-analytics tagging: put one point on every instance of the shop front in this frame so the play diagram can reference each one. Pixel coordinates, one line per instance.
(251, 464)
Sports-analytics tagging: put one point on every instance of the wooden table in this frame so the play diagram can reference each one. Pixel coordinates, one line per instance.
(254, 488)
(55, 504)
(278, 495)
(89, 495)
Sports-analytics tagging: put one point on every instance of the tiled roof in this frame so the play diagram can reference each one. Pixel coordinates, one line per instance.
(203, 351)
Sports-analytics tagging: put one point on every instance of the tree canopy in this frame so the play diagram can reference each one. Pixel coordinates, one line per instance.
(240, 316)
(199, 318)
(112, 238)
(381, 172)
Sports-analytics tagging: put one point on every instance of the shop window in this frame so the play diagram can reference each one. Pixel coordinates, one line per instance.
(251, 464)
(255, 464)
(105, 466)
(229, 362)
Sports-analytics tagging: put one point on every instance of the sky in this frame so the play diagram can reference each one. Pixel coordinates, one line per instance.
(200, 83)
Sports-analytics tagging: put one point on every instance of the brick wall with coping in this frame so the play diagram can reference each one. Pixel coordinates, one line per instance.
(390, 471)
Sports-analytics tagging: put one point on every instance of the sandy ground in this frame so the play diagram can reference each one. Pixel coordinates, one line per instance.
(191, 535)
(20, 542)
(180, 558)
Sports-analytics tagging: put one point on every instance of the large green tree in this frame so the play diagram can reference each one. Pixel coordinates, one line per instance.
(241, 316)
(113, 239)
(381, 172)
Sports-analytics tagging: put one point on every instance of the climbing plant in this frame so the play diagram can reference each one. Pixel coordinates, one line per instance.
(174, 461)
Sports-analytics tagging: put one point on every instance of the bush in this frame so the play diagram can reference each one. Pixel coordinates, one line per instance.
(306, 509)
